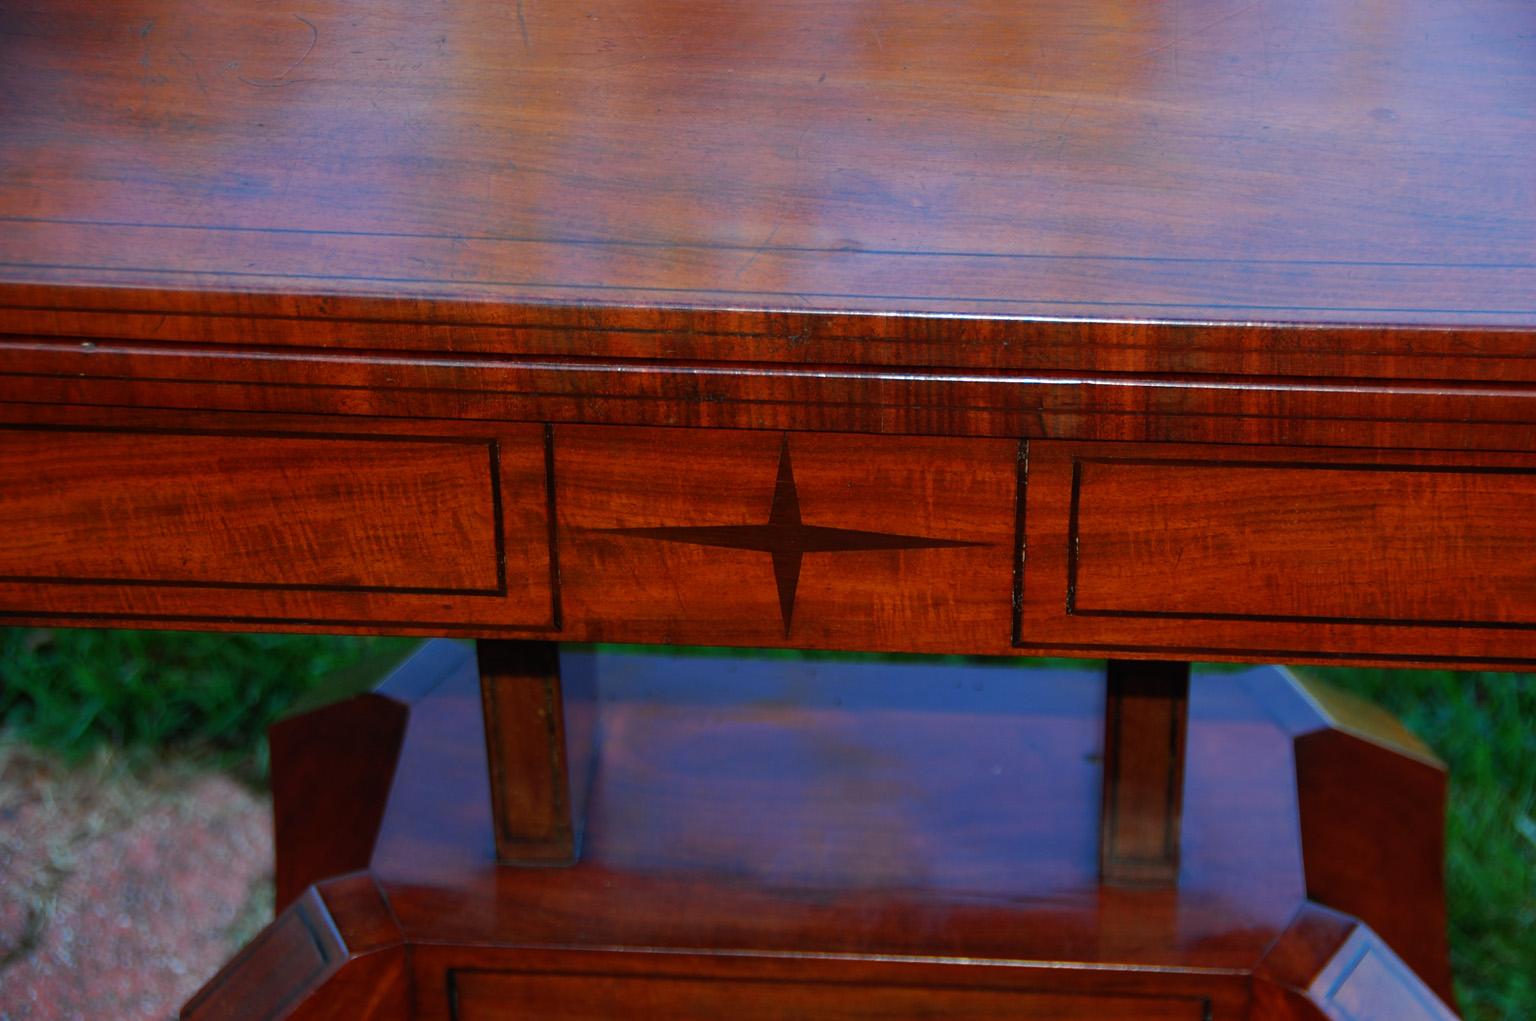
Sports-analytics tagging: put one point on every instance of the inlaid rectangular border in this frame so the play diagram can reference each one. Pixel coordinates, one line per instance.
(1075, 610)
(1202, 1003)
(492, 447)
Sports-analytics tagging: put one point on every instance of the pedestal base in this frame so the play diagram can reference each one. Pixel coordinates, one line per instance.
(775, 839)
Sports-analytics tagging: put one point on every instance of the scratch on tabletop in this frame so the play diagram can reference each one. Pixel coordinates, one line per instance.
(759, 250)
(522, 28)
(282, 80)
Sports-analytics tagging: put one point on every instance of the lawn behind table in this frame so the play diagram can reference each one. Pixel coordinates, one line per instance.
(118, 726)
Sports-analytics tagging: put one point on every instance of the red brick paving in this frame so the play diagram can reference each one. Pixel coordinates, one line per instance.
(119, 893)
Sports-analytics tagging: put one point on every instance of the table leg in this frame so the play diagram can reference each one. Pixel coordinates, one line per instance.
(1146, 715)
(539, 742)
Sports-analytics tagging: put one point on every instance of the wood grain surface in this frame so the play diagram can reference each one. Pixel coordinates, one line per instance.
(649, 387)
(256, 511)
(1200, 186)
(335, 954)
(540, 729)
(872, 840)
(758, 538)
(1327, 965)
(1200, 329)
(509, 995)
(765, 538)
(1295, 551)
(1374, 844)
(864, 825)
(168, 521)
(1146, 728)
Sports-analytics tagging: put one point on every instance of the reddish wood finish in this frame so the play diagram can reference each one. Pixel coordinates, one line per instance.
(1372, 805)
(509, 995)
(711, 390)
(1341, 563)
(182, 522)
(262, 511)
(335, 954)
(331, 773)
(1328, 966)
(878, 840)
(1187, 330)
(1146, 719)
(332, 768)
(622, 175)
(1292, 553)
(757, 538)
(539, 732)
(844, 541)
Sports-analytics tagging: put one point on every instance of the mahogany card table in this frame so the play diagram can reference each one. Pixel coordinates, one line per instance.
(1148, 332)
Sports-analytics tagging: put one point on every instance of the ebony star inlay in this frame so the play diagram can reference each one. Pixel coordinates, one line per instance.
(786, 538)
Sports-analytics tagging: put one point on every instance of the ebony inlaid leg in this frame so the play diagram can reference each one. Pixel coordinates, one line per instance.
(1146, 714)
(538, 739)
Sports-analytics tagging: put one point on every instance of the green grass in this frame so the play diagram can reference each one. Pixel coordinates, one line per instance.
(211, 697)
(1484, 726)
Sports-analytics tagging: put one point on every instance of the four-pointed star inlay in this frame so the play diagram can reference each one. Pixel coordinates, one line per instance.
(786, 538)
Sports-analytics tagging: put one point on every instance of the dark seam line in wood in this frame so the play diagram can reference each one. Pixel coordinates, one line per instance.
(694, 370)
(724, 401)
(498, 527)
(756, 248)
(1072, 545)
(1172, 844)
(1111, 777)
(236, 618)
(1046, 329)
(1020, 552)
(1369, 466)
(553, 710)
(1281, 618)
(259, 586)
(672, 974)
(488, 691)
(531, 417)
(552, 528)
(1190, 651)
(237, 433)
(320, 968)
(721, 291)
(314, 936)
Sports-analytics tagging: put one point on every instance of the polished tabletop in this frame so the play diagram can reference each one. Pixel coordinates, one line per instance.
(1314, 187)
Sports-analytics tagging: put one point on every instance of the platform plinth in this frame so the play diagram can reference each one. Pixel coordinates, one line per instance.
(860, 841)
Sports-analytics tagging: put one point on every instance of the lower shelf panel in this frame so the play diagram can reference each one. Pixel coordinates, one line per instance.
(810, 839)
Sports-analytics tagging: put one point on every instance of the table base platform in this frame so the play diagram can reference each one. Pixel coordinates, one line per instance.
(772, 838)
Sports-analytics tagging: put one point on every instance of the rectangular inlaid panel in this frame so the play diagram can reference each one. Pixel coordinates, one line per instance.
(823, 540)
(503, 996)
(1279, 551)
(174, 524)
